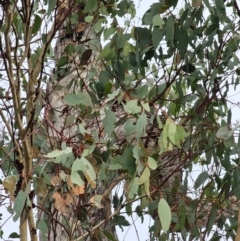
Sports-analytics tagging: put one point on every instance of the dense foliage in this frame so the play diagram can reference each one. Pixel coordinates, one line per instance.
(139, 115)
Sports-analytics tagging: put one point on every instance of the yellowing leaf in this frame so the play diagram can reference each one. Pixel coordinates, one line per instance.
(91, 181)
(145, 176)
(152, 164)
(146, 186)
(145, 106)
(172, 131)
(97, 201)
(164, 213)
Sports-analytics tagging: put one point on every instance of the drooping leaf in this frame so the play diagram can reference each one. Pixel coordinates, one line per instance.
(141, 125)
(36, 24)
(165, 215)
(133, 188)
(19, 204)
(144, 176)
(170, 30)
(128, 161)
(51, 6)
(201, 179)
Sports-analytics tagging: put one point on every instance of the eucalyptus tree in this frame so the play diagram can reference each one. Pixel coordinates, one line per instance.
(142, 112)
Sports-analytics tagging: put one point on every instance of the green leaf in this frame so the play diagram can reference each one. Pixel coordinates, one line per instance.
(201, 179)
(145, 106)
(170, 30)
(62, 61)
(51, 5)
(14, 235)
(158, 21)
(105, 52)
(89, 19)
(90, 5)
(89, 173)
(113, 95)
(152, 164)
(126, 48)
(41, 225)
(147, 187)
(57, 153)
(220, 7)
(78, 165)
(109, 235)
(179, 136)
(172, 128)
(164, 213)
(182, 42)
(19, 204)
(130, 130)
(164, 136)
(36, 24)
(133, 188)
(132, 107)
(144, 176)
(108, 122)
(83, 98)
(188, 68)
(128, 161)
(76, 179)
(224, 133)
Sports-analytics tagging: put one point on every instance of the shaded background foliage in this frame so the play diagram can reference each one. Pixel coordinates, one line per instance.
(142, 112)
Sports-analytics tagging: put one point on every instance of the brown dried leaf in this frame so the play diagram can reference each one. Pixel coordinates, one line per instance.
(56, 180)
(77, 190)
(68, 198)
(59, 203)
(81, 27)
(41, 189)
(9, 185)
(34, 152)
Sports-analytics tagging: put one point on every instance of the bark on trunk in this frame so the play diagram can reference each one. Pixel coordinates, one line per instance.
(67, 223)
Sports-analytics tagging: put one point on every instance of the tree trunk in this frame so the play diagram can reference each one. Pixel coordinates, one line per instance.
(73, 216)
